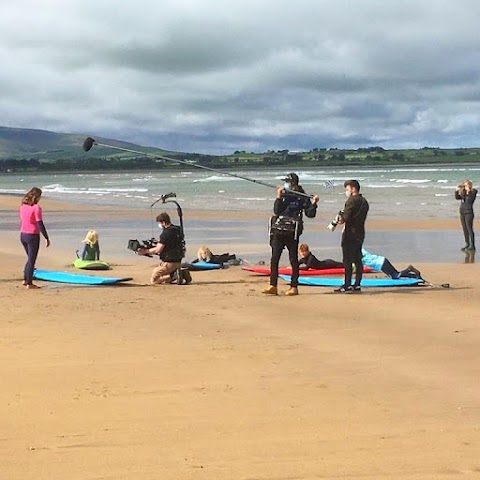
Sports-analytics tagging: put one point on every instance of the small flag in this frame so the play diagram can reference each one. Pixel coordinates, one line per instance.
(329, 184)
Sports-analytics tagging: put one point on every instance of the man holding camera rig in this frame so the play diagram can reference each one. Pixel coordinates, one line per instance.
(353, 218)
(286, 226)
(169, 247)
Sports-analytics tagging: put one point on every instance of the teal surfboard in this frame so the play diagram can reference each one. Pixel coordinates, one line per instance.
(366, 282)
(76, 278)
(202, 266)
(90, 264)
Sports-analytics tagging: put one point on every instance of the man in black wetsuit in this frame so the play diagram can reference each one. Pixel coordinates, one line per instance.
(353, 218)
(286, 226)
(170, 249)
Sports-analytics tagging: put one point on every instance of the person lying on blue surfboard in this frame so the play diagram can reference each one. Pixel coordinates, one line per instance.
(370, 260)
(382, 264)
(204, 254)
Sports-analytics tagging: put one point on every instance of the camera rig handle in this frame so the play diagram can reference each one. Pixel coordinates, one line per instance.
(164, 197)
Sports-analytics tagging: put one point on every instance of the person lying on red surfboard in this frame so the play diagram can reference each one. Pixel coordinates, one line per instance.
(308, 260)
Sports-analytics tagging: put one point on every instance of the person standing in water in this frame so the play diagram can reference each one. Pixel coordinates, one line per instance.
(467, 195)
(31, 225)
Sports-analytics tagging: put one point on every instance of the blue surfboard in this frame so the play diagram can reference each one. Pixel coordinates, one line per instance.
(366, 282)
(76, 278)
(202, 266)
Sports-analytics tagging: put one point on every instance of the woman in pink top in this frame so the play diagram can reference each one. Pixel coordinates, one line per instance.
(31, 225)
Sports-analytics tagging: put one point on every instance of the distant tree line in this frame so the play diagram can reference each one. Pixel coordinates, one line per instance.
(317, 156)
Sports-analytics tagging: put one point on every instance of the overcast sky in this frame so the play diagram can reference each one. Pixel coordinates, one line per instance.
(214, 76)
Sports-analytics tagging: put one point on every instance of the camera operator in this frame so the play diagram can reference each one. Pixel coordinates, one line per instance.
(169, 247)
(286, 226)
(353, 218)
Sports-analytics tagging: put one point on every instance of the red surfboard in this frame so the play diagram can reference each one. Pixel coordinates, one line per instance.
(303, 272)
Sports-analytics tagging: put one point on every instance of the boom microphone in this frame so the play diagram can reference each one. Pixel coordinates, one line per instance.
(90, 142)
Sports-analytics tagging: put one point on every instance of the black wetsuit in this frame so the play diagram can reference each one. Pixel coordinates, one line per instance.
(467, 215)
(311, 261)
(290, 206)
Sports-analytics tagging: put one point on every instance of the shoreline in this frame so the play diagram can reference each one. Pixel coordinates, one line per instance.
(242, 233)
(11, 202)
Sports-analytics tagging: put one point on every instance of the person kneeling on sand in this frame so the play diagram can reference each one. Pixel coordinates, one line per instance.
(170, 249)
(382, 264)
(308, 260)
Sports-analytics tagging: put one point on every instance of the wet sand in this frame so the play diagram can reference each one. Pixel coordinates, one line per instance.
(215, 380)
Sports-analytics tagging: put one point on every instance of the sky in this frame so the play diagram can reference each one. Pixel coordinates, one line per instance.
(216, 76)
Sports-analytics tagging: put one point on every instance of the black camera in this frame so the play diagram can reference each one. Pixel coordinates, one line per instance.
(136, 245)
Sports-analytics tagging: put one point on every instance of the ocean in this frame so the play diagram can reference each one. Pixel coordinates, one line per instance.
(393, 192)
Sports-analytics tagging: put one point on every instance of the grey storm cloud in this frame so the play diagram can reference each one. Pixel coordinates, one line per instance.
(216, 76)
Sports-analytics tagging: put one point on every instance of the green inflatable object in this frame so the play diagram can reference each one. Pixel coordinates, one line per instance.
(90, 264)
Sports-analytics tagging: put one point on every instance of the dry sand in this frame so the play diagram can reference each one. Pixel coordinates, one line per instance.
(216, 381)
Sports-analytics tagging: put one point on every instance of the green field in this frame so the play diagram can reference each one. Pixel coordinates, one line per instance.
(24, 150)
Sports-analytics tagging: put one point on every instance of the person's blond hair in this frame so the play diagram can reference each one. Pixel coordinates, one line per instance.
(32, 196)
(91, 238)
(204, 254)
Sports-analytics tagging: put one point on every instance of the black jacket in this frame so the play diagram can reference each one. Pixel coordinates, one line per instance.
(467, 199)
(354, 215)
(291, 205)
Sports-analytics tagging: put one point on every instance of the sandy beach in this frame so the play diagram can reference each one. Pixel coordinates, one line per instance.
(216, 381)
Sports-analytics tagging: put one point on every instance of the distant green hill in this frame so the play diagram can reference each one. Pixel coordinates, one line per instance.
(28, 150)
(25, 143)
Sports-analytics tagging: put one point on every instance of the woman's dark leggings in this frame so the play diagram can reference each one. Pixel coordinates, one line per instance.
(31, 244)
(389, 269)
(467, 224)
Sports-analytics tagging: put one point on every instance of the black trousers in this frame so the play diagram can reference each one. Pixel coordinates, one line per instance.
(352, 255)
(31, 244)
(278, 243)
(467, 224)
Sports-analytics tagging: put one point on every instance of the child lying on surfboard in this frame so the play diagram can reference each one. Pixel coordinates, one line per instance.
(308, 260)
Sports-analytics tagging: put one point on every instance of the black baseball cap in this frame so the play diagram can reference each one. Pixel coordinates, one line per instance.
(292, 178)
